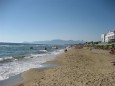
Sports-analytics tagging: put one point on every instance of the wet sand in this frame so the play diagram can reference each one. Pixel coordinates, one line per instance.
(11, 80)
(18, 78)
(78, 67)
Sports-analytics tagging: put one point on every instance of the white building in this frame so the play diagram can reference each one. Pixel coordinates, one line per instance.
(103, 37)
(110, 36)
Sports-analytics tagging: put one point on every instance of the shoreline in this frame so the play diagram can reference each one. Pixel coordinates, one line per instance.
(18, 78)
(79, 67)
(45, 66)
(11, 80)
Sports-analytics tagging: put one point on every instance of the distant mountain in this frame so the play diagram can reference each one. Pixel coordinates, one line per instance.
(58, 41)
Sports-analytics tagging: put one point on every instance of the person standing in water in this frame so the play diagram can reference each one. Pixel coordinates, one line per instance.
(45, 48)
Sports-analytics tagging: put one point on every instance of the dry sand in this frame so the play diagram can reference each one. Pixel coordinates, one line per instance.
(79, 67)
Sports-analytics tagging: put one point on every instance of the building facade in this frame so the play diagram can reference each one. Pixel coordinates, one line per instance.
(103, 37)
(109, 37)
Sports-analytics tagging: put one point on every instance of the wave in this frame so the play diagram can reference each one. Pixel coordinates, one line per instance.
(19, 64)
(43, 51)
(6, 59)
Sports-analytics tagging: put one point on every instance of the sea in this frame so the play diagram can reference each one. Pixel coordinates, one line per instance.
(16, 58)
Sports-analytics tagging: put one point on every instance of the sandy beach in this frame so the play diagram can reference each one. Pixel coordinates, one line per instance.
(77, 67)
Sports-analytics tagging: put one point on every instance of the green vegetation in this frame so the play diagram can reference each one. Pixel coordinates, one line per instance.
(100, 45)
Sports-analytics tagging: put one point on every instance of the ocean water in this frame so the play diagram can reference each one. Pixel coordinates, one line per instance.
(17, 58)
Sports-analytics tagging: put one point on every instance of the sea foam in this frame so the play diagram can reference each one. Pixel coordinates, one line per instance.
(15, 67)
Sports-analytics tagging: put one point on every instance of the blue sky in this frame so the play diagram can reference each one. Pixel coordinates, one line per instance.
(38, 20)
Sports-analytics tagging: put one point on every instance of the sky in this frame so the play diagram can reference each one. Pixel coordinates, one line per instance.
(39, 20)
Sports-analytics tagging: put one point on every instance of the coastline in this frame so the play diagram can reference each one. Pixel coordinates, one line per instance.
(11, 80)
(19, 78)
(79, 67)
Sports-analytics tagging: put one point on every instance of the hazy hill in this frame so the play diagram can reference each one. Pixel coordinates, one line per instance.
(58, 41)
